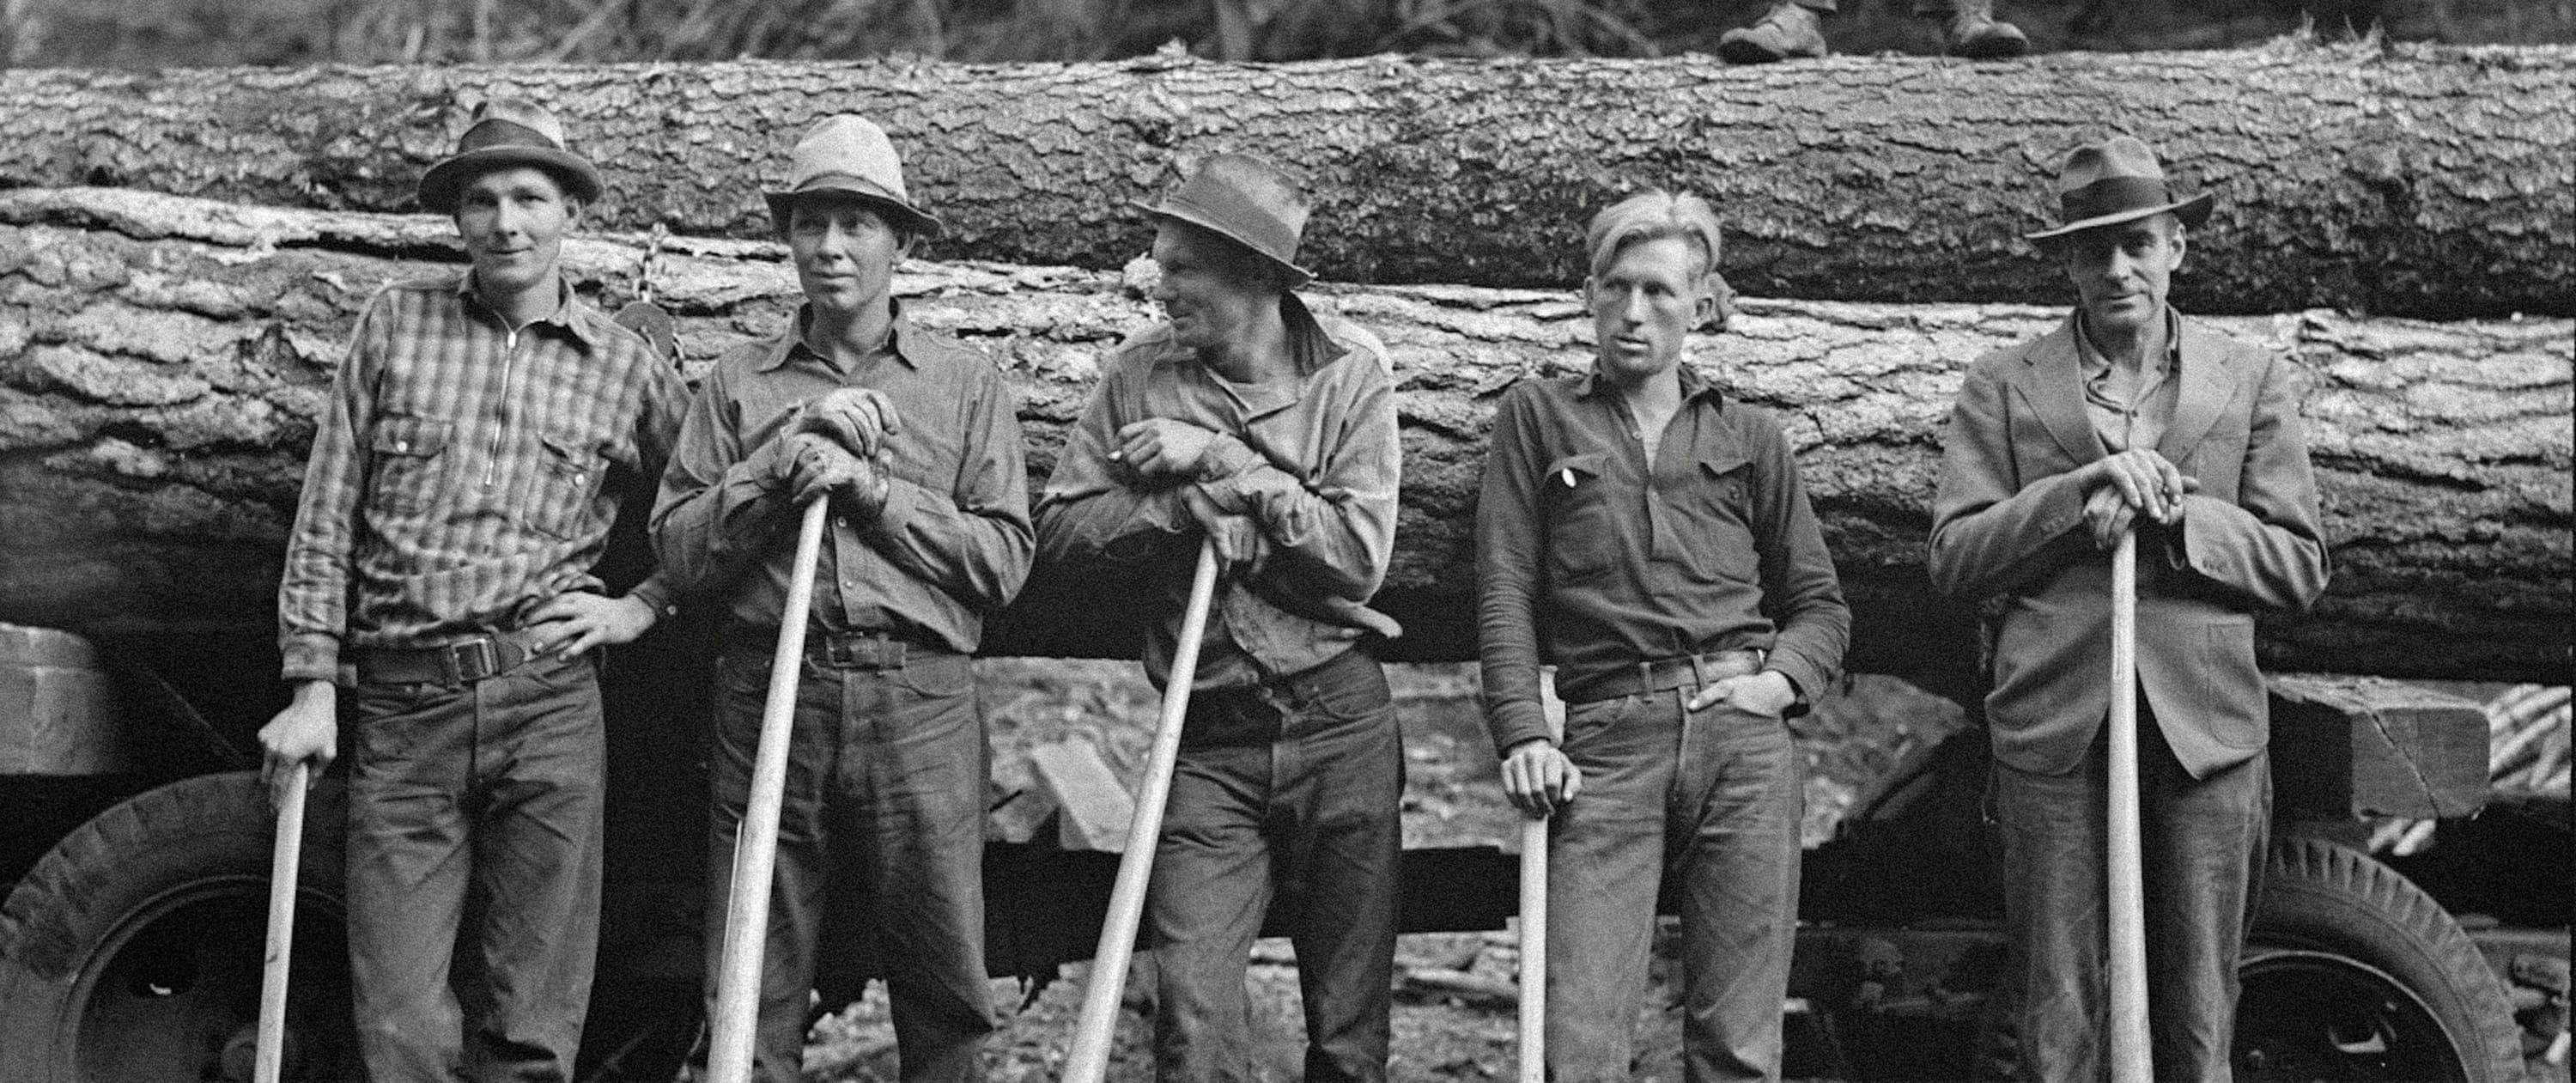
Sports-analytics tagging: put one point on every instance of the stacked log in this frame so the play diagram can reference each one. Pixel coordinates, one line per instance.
(2409, 180)
(162, 360)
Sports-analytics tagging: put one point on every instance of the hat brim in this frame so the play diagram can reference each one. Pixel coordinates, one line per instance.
(438, 187)
(781, 203)
(2193, 212)
(1182, 212)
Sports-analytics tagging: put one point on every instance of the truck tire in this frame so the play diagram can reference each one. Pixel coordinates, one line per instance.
(131, 953)
(2354, 973)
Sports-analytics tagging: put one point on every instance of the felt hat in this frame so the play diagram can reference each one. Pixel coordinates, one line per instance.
(508, 132)
(2113, 181)
(848, 153)
(1247, 201)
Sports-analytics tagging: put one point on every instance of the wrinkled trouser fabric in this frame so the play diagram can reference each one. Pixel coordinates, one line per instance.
(481, 802)
(1289, 788)
(886, 773)
(1714, 799)
(2202, 842)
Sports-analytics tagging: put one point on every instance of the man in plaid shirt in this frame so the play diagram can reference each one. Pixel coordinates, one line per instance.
(476, 445)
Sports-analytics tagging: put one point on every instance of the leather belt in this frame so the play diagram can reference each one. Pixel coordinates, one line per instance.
(460, 663)
(856, 650)
(1660, 675)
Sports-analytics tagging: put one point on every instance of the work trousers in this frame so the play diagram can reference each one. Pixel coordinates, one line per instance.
(1713, 798)
(1291, 787)
(2202, 843)
(886, 772)
(481, 800)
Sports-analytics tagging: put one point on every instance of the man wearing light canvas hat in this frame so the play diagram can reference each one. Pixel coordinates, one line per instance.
(1247, 417)
(477, 442)
(2127, 417)
(915, 441)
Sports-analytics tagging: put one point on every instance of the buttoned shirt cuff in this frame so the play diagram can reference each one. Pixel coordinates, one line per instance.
(312, 657)
(656, 594)
(1517, 721)
(1804, 678)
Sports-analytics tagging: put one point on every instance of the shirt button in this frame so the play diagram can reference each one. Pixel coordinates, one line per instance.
(843, 522)
(402, 445)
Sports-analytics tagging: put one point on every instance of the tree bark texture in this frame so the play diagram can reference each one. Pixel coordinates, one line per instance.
(162, 361)
(2401, 181)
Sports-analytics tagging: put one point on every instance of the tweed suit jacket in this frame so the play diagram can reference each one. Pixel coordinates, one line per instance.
(2008, 524)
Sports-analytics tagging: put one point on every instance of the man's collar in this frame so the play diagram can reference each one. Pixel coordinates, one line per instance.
(578, 319)
(900, 339)
(1693, 384)
(2090, 360)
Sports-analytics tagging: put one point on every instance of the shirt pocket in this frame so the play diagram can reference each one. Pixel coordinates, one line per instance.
(1582, 528)
(1716, 513)
(408, 455)
(567, 482)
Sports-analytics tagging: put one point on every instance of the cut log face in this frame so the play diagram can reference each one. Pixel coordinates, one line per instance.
(2404, 180)
(162, 361)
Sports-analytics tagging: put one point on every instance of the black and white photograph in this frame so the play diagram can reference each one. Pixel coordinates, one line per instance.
(1249, 541)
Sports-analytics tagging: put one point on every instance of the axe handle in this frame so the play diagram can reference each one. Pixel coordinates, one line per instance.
(2131, 1059)
(755, 847)
(271, 1049)
(1088, 1061)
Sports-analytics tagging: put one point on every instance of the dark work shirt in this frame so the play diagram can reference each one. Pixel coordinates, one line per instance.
(1314, 463)
(1589, 560)
(954, 541)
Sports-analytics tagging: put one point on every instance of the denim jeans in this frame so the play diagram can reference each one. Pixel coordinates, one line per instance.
(1292, 788)
(1713, 798)
(2202, 841)
(886, 773)
(493, 791)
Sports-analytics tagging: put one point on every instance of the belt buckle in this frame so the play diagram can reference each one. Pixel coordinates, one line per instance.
(474, 659)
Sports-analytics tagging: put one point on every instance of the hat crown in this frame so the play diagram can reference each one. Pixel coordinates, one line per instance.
(2120, 157)
(1247, 199)
(511, 122)
(2115, 180)
(846, 145)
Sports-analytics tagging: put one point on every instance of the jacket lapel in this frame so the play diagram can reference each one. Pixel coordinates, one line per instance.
(2053, 383)
(2208, 384)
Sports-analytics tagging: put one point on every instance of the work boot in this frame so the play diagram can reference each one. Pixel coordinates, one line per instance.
(1975, 33)
(1789, 30)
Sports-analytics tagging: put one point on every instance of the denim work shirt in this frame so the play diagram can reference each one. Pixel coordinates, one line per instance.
(953, 542)
(1590, 559)
(1314, 463)
(464, 472)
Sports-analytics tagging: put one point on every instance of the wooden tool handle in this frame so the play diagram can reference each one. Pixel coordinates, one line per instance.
(755, 842)
(1088, 1061)
(2131, 1057)
(271, 1050)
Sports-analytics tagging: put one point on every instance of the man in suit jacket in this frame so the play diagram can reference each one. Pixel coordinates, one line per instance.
(2128, 417)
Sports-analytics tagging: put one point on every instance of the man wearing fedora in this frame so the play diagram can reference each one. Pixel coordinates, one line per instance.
(1248, 418)
(477, 442)
(915, 441)
(2127, 417)
(1649, 536)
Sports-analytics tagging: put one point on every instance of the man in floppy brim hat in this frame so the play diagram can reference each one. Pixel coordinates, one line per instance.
(849, 154)
(440, 568)
(2127, 417)
(914, 439)
(1247, 418)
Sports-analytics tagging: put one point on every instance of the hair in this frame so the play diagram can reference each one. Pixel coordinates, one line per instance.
(1655, 215)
